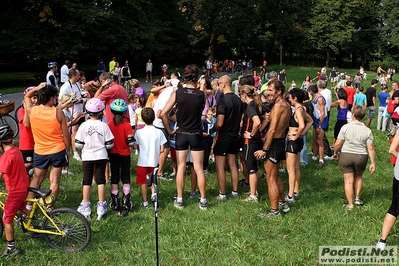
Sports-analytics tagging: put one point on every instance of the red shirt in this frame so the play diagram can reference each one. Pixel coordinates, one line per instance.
(120, 133)
(26, 141)
(109, 95)
(13, 168)
(351, 94)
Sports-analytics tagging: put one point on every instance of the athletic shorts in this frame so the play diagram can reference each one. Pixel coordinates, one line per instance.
(371, 110)
(141, 173)
(241, 149)
(249, 158)
(276, 152)
(338, 125)
(394, 208)
(149, 72)
(352, 163)
(14, 202)
(295, 146)
(59, 159)
(192, 140)
(222, 148)
(27, 155)
(166, 145)
(94, 169)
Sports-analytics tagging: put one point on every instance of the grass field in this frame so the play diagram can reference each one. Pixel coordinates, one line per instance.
(230, 232)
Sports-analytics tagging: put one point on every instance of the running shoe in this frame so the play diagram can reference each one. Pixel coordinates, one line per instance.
(358, 202)
(221, 197)
(163, 177)
(194, 195)
(203, 205)
(178, 204)
(381, 244)
(252, 199)
(10, 252)
(284, 207)
(270, 214)
(288, 198)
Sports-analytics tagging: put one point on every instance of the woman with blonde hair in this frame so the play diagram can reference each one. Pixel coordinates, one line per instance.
(135, 86)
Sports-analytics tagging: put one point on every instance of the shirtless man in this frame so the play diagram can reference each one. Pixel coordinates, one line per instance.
(274, 148)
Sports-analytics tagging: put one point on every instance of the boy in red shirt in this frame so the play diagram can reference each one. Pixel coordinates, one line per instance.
(13, 170)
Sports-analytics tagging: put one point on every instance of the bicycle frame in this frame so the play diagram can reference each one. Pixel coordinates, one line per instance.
(28, 225)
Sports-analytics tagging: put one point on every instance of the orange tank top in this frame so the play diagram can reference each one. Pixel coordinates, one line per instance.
(46, 131)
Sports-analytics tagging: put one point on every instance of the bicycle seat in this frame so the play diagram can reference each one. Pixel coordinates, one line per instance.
(40, 192)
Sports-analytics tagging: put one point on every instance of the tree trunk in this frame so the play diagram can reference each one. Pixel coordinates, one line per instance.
(328, 58)
(281, 54)
(211, 47)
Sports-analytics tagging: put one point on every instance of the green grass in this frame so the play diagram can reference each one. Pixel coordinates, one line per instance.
(230, 232)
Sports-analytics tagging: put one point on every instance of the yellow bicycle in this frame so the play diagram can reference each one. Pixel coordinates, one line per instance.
(62, 228)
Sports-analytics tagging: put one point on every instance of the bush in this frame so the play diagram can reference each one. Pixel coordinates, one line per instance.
(388, 62)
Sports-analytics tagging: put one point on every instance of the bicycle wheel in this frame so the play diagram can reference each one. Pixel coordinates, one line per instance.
(1, 226)
(16, 112)
(8, 119)
(74, 224)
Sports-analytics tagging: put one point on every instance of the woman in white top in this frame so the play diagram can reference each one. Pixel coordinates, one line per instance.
(354, 140)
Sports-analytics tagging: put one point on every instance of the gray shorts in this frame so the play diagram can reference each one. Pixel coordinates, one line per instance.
(353, 163)
(371, 110)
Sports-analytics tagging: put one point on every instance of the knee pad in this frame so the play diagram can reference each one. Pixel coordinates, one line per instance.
(30, 170)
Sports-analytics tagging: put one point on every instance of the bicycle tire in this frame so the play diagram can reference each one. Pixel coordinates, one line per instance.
(1, 226)
(74, 224)
(16, 112)
(8, 119)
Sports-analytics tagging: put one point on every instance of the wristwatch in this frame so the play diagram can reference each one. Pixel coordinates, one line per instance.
(265, 149)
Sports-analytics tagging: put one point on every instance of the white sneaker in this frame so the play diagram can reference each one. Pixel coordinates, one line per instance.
(85, 209)
(329, 158)
(380, 245)
(101, 209)
(252, 199)
(65, 171)
(76, 156)
(314, 158)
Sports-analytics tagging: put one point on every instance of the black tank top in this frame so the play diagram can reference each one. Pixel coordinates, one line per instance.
(293, 123)
(189, 103)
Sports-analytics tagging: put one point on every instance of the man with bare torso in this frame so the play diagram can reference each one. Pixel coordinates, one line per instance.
(274, 148)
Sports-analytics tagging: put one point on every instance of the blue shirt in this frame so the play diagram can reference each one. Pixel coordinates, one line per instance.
(360, 98)
(383, 96)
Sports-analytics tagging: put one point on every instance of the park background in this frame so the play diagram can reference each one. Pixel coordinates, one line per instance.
(301, 36)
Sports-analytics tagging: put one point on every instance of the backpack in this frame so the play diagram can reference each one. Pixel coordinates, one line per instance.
(391, 106)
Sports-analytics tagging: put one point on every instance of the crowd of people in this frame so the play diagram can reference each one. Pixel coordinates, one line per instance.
(193, 119)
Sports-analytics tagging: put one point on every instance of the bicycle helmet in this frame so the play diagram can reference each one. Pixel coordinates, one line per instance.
(6, 133)
(52, 64)
(118, 105)
(28, 90)
(94, 106)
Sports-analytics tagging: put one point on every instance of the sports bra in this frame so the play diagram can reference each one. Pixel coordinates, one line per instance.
(293, 122)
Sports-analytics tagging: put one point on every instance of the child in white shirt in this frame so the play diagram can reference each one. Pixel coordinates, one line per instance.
(150, 141)
(94, 138)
